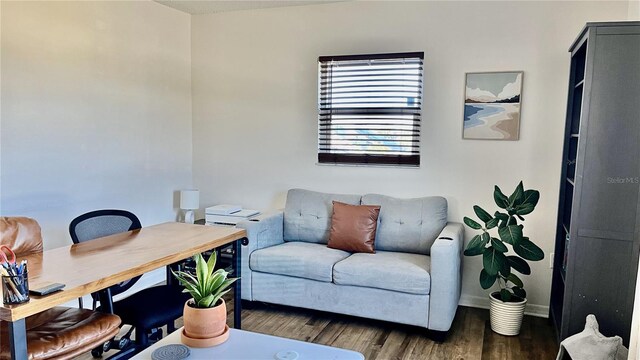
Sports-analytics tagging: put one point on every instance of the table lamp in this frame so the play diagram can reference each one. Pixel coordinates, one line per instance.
(189, 201)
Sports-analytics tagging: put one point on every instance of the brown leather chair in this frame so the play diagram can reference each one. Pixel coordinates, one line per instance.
(60, 332)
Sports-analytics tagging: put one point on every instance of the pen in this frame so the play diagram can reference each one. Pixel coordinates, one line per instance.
(16, 293)
(15, 280)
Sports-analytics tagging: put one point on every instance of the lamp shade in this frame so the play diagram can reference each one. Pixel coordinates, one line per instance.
(189, 199)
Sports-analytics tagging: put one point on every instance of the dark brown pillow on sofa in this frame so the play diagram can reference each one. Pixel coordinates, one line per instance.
(353, 227)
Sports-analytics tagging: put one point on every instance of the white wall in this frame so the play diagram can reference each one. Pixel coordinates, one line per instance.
(633, 12)
(254, 76)
(96, 110)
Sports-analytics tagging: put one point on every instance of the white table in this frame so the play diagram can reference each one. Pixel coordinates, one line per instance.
(245, 345)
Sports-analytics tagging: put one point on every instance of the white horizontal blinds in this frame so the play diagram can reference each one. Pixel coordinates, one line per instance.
(370, 108)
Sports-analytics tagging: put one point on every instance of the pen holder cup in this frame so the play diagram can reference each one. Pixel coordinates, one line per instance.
(15, 289)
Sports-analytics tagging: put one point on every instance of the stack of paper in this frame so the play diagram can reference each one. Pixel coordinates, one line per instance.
(223, 209)
(213, 218)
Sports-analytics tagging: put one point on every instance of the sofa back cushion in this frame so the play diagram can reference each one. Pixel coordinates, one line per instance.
(408, 225)
(307, 214)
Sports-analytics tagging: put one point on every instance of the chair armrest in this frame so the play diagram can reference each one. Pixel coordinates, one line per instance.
(446, 276)
(263, 231)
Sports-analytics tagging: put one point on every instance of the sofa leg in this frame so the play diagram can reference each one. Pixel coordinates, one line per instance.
(438, 336)
(249, 305)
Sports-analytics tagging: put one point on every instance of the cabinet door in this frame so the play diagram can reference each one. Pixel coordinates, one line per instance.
(611, 175)
(606, 247)
(601, 288)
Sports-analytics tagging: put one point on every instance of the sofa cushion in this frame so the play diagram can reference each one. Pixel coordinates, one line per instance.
(299, 259)
(307, 214)
(408, 225)
(353, 227)
(394, 271)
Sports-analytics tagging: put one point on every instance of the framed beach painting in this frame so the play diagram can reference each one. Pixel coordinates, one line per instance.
(492, 102)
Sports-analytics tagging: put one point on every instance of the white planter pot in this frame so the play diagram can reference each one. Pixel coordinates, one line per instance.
(506, 317)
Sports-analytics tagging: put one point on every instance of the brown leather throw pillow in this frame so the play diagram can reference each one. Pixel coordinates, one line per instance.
(353, 227)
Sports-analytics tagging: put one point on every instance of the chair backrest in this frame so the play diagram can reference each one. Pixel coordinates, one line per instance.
(21, 234)
(100, 223)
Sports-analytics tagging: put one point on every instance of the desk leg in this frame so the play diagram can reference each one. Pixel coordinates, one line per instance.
(18, 339)
(106, 301)
(169, 275)
(237, 296)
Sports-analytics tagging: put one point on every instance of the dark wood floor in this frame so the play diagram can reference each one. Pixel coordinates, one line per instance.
(470, 337)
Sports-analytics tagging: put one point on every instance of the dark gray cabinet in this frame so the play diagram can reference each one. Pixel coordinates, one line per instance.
(598, 228)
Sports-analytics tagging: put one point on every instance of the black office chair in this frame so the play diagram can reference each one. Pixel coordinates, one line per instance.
(146, 310)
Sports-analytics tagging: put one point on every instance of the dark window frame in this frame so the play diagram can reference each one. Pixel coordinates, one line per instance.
(405, 137)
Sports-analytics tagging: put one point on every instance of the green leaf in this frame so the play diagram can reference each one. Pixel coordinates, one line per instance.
(501, 216)
(195, 293)
(528, 250)
(505, 270)
(190, 286)
(218, 296)
(493, 260)
(486, 280)
(216, 280)
(206, 301)
(482, 215)
(500, 198)
(180, 278)
(531, 197)
(498, 245)
(475, 247)
(211, 262)
(503, 219)
(515, 280)
(524, 209)
(519, 292)
(517, 196)
(511, 234)
(187, 278)
(201, 272)
(471, 223)
(505, 295)
(225, 285)
(492, 223)
(519, 265)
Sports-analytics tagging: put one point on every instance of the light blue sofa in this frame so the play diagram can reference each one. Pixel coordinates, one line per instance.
(413, 278)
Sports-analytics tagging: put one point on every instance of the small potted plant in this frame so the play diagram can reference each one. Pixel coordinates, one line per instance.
(507, 305)
(205, 314)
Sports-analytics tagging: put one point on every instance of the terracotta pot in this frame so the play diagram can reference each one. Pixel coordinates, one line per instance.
(506, 317)
(204, 323)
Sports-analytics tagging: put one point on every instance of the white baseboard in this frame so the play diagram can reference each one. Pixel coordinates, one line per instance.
(482, 302)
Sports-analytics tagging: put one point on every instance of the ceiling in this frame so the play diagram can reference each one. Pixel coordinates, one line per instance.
(196, 7)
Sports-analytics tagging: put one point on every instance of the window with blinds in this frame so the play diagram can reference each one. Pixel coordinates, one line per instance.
(369, 109)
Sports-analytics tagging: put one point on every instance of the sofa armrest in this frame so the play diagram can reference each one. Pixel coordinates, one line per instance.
(263, 231)
(446, 276)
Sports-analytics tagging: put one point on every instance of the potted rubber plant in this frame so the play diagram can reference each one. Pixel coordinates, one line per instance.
(498, 263)
(205, 314)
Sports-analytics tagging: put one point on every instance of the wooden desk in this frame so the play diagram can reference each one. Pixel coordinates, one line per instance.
(95, 265)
